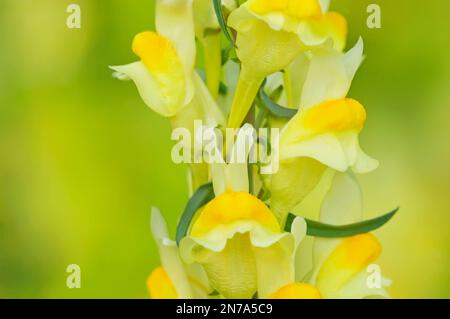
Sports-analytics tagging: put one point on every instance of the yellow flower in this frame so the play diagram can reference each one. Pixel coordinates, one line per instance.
(165, 75)
(241, 246)
(325, 131)
(328, 132)
(165, 87)
(340, 272)
(340, 265)
(308, 19)
(159, 76)
(173, 279)
(346, 263)
(271, 34)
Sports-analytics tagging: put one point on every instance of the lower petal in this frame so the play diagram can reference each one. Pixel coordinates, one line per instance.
(232, 272)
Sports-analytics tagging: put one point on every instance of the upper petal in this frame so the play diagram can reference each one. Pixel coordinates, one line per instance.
(330, 74)
(174, 20)
(342, 204)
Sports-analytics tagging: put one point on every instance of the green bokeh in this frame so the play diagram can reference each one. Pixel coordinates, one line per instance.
(82, 160)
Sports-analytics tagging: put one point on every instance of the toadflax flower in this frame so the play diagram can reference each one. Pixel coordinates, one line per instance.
(325, 131)
(165, 75)
(328, 132)
(271, 34)
(340, 265)
(240, 244)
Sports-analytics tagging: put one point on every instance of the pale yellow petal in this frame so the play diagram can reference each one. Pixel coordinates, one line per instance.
(199, 282)
(212, 115)
(262, 49)
(202, 107)
(342, 204)
(205, 18)
(151, 90)
(231, 271)
(304, 259)
(330, 75)
(229, 177)
(324, 148)
(298, 74)
(295, 179)
(357, 288)
(274, 266)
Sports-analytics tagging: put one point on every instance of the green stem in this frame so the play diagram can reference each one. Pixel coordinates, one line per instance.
(262, 115)
(288, 87)
(250, 118)
(246, 91)
(213, 62)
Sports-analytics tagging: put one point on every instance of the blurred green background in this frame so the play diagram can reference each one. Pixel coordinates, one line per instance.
(82, 159)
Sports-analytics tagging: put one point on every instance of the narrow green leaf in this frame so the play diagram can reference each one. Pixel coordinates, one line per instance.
(201, 197)
(317, 229)
(274, 108)
(221, 19)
